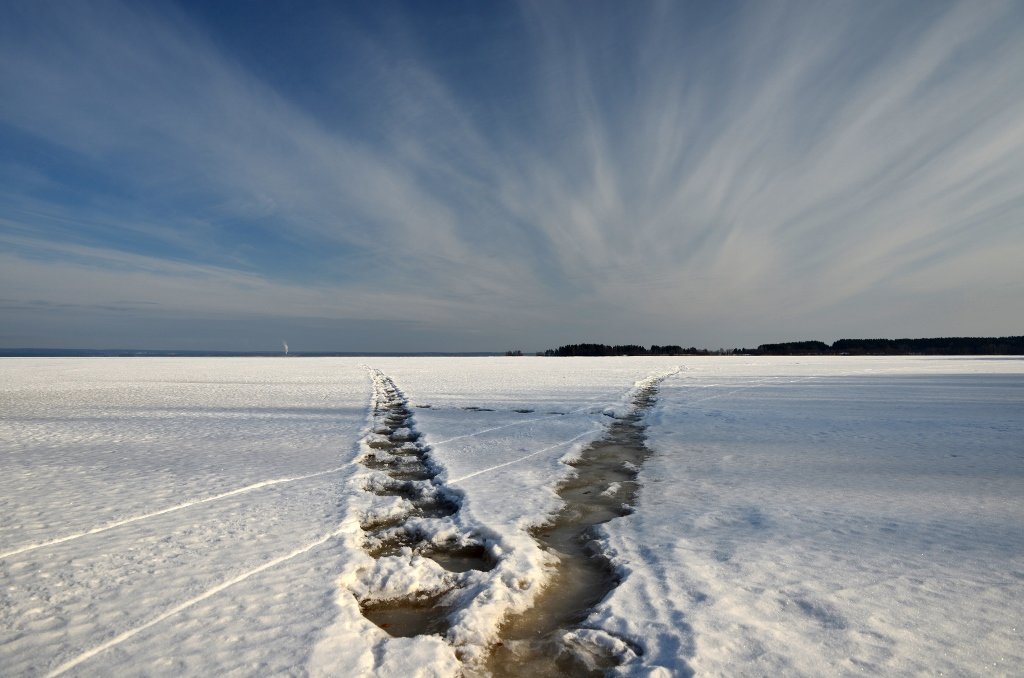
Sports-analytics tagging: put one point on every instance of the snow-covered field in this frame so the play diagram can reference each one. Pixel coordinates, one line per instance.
(798, 516)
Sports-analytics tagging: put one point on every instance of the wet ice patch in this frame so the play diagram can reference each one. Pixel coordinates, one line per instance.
(551, 638)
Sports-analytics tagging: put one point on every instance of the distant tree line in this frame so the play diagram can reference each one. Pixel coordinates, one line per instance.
(940, 346)
(633, 349)
(795, 348)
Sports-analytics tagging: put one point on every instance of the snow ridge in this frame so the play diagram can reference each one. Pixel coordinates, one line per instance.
(426, 561)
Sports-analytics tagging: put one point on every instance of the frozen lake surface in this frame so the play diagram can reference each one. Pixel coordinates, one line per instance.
(796, 516)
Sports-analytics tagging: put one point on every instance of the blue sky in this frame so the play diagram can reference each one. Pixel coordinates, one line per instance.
(482, 176)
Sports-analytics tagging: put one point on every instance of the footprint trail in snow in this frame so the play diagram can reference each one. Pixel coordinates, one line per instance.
(552, 638)
(429, 566)
(424, 559)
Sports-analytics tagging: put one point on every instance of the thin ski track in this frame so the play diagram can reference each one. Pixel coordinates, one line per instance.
(198, 501)
(167, 614)
(170, 509)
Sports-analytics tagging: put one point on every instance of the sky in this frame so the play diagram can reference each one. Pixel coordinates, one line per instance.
(484, 176)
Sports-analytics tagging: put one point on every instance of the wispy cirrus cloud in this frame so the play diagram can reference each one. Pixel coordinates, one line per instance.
(642, 172)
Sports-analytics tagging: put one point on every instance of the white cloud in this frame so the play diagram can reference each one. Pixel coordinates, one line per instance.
(669, 172)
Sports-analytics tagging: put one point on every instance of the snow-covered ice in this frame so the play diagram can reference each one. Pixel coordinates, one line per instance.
(798, 516)
(165, 479)
(830, 517)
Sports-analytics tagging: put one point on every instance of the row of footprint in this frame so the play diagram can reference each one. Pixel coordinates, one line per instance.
(433, 574)
(423, 557)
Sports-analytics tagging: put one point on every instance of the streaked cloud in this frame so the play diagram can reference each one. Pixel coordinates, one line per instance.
(645, 172)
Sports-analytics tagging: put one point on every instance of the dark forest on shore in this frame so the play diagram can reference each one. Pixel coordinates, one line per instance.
(936, 346)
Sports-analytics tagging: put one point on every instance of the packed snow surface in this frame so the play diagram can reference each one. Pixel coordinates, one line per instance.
(797, 516)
